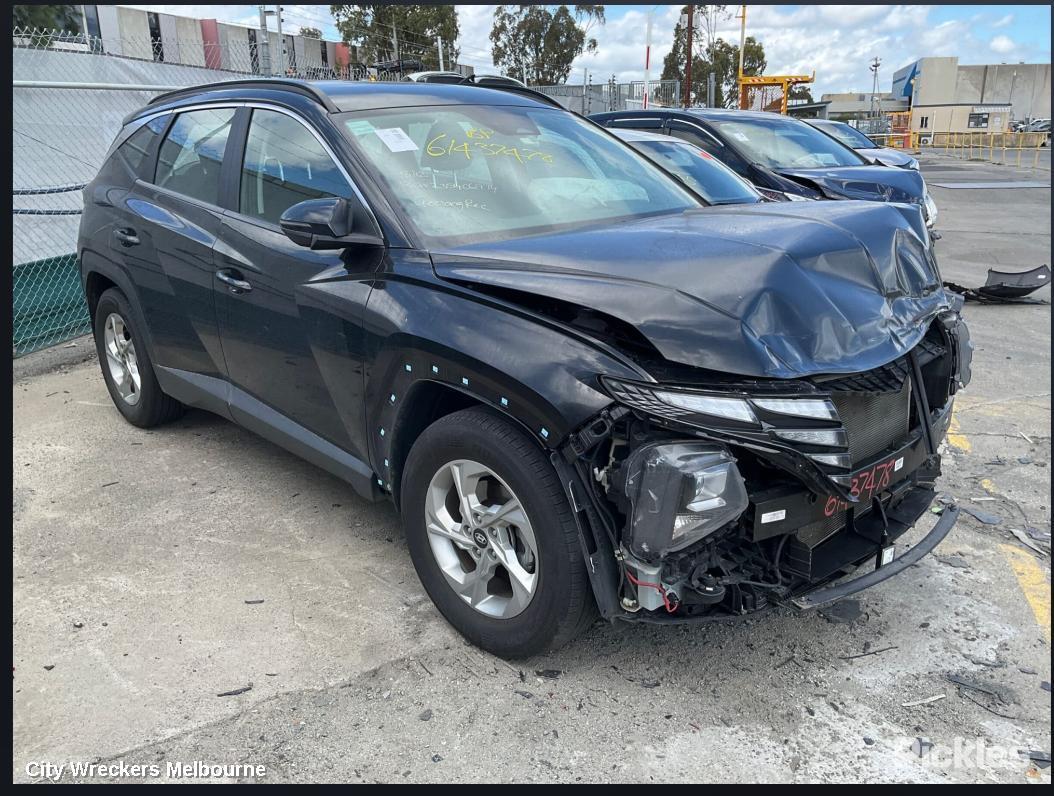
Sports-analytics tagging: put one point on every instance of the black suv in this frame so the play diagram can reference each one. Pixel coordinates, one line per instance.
(783, 157)
(583, 388)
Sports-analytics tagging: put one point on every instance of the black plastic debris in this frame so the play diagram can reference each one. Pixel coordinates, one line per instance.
(843, 612)
(1041, 759)
(237, 691)
(983, 516)
(1005, 287)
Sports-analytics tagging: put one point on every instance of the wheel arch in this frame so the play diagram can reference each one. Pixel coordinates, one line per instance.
(98, 274)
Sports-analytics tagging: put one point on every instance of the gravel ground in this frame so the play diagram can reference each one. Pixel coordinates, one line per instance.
(155, 570)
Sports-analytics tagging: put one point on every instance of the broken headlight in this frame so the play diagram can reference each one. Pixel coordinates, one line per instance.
(680, 493)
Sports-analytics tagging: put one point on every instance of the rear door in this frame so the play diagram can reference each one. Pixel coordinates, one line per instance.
(289, 317)
(165, 235)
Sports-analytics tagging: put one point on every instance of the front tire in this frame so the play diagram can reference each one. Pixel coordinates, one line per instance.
(492, 536)
(126, 365)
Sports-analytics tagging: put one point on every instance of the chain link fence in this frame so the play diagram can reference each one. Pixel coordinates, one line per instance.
(70, 95)
(612, 96)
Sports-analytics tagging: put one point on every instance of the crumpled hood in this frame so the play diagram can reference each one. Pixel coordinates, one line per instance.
(777, 289)
(888, 156)
(873, 183)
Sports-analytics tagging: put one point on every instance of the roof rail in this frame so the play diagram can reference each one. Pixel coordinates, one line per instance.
(527, 92)
(275, 83)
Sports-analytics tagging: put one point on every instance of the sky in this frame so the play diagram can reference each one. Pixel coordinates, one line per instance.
(836, 41)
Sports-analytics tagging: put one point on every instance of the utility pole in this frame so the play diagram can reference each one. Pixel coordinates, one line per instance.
(711, 89)
(439, 42)
(875, 64)
(281, 42)
(395, 40)
(585, 78)
(647, 62)
(688, 66)
(742, 49)
(264, 47)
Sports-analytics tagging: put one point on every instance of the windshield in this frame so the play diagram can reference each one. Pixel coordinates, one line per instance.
(848, 135)
(787, 144)
(472, 172)
(706, 176)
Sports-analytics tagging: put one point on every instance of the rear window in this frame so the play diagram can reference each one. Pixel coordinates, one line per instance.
(138, 146)
(192, 153)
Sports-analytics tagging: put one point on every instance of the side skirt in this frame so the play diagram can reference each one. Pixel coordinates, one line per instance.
(222, 398)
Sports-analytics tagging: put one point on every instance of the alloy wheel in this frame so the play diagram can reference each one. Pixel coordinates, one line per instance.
(121, 359)
(481, 538)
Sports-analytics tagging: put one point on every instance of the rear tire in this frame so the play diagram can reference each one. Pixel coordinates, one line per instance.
(126, 365)
(548, 556)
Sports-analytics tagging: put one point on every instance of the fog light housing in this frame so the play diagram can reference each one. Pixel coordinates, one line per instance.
(680, 493)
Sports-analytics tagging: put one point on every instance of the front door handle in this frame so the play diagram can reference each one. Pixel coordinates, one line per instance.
(235, 284)
(127, 236)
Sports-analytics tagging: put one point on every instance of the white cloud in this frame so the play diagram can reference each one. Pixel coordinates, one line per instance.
(1002, 45)
(838, 42)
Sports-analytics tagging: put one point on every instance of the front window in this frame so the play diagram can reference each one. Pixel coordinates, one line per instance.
(849, 136)
(706, 176)
(786, 144)
(284, 165)
(475, 172)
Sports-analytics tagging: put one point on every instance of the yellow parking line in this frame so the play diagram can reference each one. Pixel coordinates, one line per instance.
(1034, 584)
(955, 436)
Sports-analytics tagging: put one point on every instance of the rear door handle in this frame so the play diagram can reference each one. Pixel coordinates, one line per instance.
(127, 236)
(235, 284)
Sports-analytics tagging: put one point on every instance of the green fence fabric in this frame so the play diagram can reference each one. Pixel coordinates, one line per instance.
(49, 305)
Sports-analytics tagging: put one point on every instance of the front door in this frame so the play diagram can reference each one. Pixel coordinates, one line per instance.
(289, 317)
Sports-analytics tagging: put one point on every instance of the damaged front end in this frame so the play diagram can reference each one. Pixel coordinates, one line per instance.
(714, 499)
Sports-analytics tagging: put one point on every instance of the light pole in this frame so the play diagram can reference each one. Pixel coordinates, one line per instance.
(688, 66)
(875, 64)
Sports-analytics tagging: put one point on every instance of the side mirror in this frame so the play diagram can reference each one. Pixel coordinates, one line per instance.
(323, 224)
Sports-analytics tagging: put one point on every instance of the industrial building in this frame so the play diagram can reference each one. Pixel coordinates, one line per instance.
(169, 38)
(210, 43)
(944, 97)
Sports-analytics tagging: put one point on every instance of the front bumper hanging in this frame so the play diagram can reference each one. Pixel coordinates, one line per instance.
(829, 594)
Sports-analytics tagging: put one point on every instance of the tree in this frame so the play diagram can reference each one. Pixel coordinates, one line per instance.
(538, 44)
(66, 19)
(800, 92)
(369, 27)
(712, 54)
(311, 33)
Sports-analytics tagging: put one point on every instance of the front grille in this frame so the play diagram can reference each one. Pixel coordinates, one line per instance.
(886, 378)
(874, 421)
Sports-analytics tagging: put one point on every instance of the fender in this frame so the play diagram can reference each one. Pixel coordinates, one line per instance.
(91, 262)
(538, 373)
